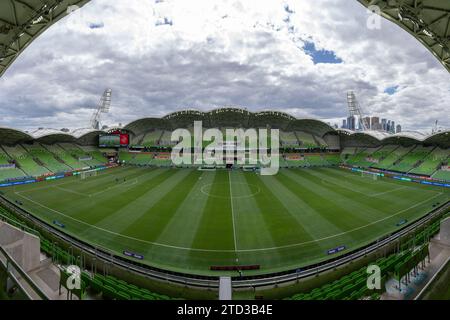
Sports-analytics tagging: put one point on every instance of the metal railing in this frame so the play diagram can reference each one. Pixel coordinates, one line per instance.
(210, 282)
(19, 277)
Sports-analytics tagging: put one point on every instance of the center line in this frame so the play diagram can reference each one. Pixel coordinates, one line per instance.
(232, 212)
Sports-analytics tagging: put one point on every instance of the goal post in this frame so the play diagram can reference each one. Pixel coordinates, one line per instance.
(86, 174)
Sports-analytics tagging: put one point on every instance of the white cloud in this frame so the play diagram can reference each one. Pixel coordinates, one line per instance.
(164, 56)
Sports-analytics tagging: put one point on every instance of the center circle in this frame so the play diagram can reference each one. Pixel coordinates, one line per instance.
(251, 190)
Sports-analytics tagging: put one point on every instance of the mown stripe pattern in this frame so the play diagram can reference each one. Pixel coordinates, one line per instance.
(187, 220)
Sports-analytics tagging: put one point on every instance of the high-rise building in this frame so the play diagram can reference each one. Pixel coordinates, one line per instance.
(399, 128)
(344, 124)
(392, 127)
(383, 124)
(351, 123)
(375, 123)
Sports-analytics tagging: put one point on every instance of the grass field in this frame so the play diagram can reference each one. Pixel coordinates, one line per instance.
(187, 220)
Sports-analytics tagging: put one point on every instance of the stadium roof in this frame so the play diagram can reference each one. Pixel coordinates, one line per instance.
(11, 136)
(427, 20)
(230, 117)
(408, 137)
(22, 21)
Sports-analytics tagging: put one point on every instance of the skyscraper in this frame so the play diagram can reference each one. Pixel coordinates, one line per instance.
(383, 124)
(375, 123)
(392, 127)
(344, 124)
(351, 124)
(399, 128)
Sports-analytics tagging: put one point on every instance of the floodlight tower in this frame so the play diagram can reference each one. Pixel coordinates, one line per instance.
(354, 109)
(435, 128)
(103, 107)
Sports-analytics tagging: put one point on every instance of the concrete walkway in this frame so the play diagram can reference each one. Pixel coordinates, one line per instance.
(439, 253)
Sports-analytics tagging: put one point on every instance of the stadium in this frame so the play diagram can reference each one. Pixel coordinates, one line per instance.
(113, 205)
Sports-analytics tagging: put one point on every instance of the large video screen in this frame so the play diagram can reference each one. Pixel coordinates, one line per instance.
(124, 140)
(113, 140)
(110, 140)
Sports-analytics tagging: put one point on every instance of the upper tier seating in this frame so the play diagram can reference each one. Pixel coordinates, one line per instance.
(8, 173)
(46, 158)
(348, 152)
(333, 142)
(166, 139)
(96, 153)
(306, 140)
(137, 140)
(321, 142)
(152, 138)
(25, 161)
(81, 155)
(392, 157)
(65, 156)
(362, 158)
(443, 174)
(411, 159)
(288, 139)
(382, 153)
(432, 162)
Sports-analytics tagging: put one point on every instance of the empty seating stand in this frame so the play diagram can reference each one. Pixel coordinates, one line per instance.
(25, 161)
(432, 162)
(113, 288)
(7, 172)
(46, 158)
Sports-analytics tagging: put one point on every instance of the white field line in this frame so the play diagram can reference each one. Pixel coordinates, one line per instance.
(100, 176)
(327, 182)
(46, 187)
(243, 250)
(385, 192)
(232, 213)
(123, 184)
(71, 191)
(414, 187)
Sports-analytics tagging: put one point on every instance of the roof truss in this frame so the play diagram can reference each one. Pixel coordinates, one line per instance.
(427, 20)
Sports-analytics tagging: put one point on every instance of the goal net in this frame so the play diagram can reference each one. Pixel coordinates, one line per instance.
(369, 175)
(86, 174)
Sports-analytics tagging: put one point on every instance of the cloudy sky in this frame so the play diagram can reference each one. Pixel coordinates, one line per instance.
(298, 56)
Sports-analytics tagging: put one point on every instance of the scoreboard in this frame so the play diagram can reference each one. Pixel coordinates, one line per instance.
(114, 140)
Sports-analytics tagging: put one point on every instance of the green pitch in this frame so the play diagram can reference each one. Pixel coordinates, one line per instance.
(188, 220)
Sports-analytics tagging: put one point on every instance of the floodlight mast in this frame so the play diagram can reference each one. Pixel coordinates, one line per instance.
(103, 107)
(354, 109)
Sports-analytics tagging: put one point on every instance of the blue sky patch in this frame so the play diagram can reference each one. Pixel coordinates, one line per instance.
(391, 90)
(96, 25)
(320, 56)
